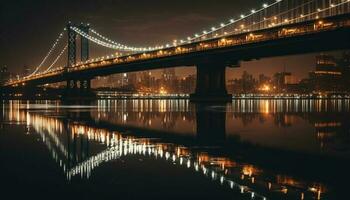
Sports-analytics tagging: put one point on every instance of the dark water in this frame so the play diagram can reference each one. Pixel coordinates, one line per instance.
(173, 149)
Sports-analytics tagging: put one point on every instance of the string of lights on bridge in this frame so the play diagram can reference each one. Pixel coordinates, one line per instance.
(145, 49)
(118, 46)
(108, 43)
(124, 47)
(52, 49)
(57, 58)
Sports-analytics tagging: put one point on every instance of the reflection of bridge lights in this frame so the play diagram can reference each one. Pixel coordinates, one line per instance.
(242, 189)
(213, 167)
(248, 170)
(196, 167)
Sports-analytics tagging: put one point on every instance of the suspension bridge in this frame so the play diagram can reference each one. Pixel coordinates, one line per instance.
(278, 28)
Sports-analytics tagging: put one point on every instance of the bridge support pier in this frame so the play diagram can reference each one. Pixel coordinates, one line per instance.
(85, 85)
(211, 84)
(79, 89)
(79, 85)
(71, 85)
(211, 122)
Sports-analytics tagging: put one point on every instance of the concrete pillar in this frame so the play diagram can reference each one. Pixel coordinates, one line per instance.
(211, 83)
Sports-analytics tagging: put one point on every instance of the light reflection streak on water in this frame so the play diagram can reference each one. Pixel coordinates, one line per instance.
(118, 146)
(289, 106)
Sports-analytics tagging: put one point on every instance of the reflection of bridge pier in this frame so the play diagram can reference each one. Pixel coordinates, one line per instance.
(77, 146)
(84, 116)
(211, 122)
(248, 178)
(211, 83)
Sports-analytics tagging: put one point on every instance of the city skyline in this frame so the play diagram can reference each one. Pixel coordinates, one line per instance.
(325, 68)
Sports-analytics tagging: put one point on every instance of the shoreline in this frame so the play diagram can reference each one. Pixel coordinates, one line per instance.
(180, 97)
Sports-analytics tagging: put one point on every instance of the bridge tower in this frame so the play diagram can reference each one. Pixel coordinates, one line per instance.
(78, 85)
(84, 43)
(72, 46)
(85, 84)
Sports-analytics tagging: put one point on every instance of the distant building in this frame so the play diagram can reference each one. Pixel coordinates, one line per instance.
(145, 79)
(328, 74)
(4, 74)
(100, 82)
(131, 79)
(168, 79)
(188, 84)
(169, 74)
(243, 85)
(290, 79)
(124, 81)
(116, 80)
(146, 82)
(264, 79)
(280, 80)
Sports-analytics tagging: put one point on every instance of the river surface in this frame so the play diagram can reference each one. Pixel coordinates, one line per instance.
(175, 149)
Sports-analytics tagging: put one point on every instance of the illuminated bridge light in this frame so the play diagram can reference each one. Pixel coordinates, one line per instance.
(99, 39)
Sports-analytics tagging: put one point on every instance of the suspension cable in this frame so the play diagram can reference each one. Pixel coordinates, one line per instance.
(102, 43)
(106, 42)
(50, 52)
(57, 58)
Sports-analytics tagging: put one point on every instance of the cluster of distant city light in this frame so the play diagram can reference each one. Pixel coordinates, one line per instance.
(108, 43)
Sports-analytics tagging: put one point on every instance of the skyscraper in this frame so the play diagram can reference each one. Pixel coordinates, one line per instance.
(327, 71)
(168, 78)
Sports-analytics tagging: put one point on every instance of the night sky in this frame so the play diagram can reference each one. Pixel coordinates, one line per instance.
(28, 28)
